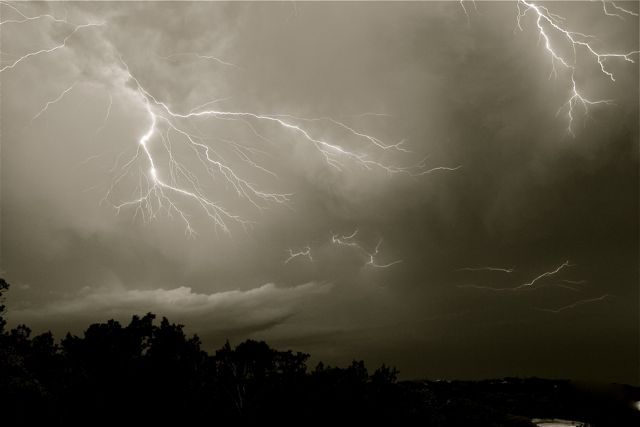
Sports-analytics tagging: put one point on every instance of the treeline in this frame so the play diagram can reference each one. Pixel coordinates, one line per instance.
(150, 372)
(155, 373)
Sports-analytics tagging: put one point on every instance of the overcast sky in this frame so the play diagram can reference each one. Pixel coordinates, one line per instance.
(472, 94)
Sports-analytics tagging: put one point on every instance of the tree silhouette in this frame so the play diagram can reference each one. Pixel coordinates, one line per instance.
(4, 286)
(150, 372)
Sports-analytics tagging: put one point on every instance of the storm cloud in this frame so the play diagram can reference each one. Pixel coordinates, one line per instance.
(474, 96)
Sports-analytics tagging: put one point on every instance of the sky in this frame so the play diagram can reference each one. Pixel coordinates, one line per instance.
(454, 209)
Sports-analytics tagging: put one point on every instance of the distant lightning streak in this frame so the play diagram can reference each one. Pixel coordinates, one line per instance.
(563, 286)
(90, 158)
(464, 8)
(206, 104)
(347, 240)
(372, 260)
(486, 288)
(26, 18)
(52, 49)
(575, 282)
(436, 169)
(546, 274)
(306, 252)
(528, 285)
(49, 103)
(616, 7)
(496, 269)
(199, 56)
(375, 141)
(106, 117)
(370, 115)
(549, 24)
(575, 304)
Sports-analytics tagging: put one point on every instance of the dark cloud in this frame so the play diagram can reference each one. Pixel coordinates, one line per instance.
(477, 94)
(253, 310)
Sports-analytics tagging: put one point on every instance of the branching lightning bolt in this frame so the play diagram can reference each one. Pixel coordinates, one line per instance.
(61, 45)
(524, 286)
(464, 9)
(617, 8)
(164, 184)
(548, 24)
(156, 189)
(347, 240)
(372, 258)
(305, 252)
(26, 18)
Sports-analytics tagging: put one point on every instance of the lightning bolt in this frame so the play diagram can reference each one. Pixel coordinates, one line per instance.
(434, 169)
(375, 141)
(26, 18)
(549, 24)
(106, 116)
(59, 46)
(617, 8)
(575, 282)
(199, 56)
(90, 158)
(464, 9)
(158, 188)
(495, 269)
(305, 252)
(49, 103)
(545, 274)
(165, 182)
(575, 304)
(347, 241)
(157, 193)
(372, 261)
(528, 285)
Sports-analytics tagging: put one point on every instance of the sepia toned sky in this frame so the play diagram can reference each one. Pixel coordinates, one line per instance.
(554, 215)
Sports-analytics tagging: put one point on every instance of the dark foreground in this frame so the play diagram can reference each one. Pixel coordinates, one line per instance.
(151, 373)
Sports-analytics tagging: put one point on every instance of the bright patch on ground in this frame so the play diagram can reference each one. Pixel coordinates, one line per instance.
(558, 423)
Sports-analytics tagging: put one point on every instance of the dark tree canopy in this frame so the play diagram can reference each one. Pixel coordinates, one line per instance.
(4, 286)
(151, 372)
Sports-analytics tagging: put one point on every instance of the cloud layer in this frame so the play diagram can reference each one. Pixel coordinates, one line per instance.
(528, 196)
